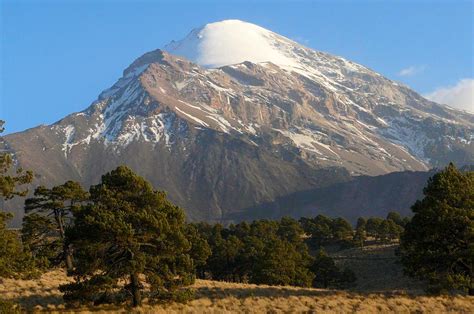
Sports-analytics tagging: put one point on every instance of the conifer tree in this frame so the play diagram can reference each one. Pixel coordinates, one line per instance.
(437, 245)
(395, 217)
(48, 214)
(9, 182)
(359, 237)
(200, 250)
(14, 261)
(130, 233)
(328, 274)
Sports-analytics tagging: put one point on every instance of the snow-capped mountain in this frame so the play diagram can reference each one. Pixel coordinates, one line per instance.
(235, 115)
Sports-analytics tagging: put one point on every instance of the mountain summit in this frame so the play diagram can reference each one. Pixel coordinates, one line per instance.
(235, 116)
(233, 41)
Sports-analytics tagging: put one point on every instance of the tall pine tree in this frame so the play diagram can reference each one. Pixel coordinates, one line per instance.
(14, 261)
(438, 243)
(128, 233)
(48, 214)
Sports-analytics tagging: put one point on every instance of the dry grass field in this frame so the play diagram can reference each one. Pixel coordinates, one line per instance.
(381, 288)
(222, 297)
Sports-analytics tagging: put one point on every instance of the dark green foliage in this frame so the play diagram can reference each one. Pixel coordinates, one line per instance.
(128, 233)
(328, 275)
(361, 223)
(263, 252)
(48, 214)
(438, 243)
(15, 262)
(284, 259)
(341, 229)
(8, 181)
(39, 236)
(395, 217)
(319, 228)
(382, 230)
(372, 226)
(388, 230)
(405, 221)
(324, 230)
(200, 250)
(347, 278)
(359, 237)
(281, 264)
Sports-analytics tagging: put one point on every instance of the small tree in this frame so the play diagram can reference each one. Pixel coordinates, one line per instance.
(324, 269)
(361, 223)
(47, 217)
(373, 227)
(200, 250)
(359, 237)
(281, 263)
(437, 245)
(128, 233)
(328, 274)
(341, 229)
(395, 217)
(318, 228)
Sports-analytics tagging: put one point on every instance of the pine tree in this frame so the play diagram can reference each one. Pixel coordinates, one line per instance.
(328, 274)
(361, 223)
(373, 227)
(128, 233)
(319, 229)
(325, 270)
(437, 245)
(341, 229)
(48, 215)
(359, 237)
(200, 250)
(14, 260)
(276, 253)
(9, 182)
(395, 217)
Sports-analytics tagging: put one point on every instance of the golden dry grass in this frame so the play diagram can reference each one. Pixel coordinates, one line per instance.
(222, 297)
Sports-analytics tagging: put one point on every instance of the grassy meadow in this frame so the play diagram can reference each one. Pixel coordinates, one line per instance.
(381, 288)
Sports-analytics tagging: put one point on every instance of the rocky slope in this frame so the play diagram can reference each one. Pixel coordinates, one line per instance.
(234, 116)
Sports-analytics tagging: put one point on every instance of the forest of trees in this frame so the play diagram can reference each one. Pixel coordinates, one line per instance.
(122, 230)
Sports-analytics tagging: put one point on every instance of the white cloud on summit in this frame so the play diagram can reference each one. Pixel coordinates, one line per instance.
(412, 70)
(459, 96)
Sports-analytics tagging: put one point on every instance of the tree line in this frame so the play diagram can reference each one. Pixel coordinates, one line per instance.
(122, 235)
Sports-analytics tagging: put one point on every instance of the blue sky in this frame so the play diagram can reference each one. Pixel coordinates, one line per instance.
(56, 56)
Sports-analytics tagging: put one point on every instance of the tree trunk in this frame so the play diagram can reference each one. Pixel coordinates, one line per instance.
(67, 252)
(135, 289)
(471, 291)
(68, 255)
(60, 223)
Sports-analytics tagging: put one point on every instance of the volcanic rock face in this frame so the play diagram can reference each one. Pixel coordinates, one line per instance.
(234, 116)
